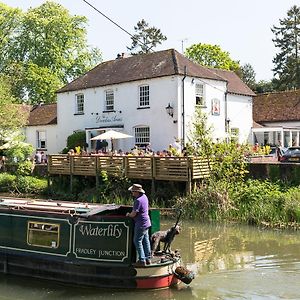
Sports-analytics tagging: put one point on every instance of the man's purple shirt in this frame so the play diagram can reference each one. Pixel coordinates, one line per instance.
(142, 219)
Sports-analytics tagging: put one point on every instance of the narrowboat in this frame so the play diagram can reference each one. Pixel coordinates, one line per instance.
(82, 244)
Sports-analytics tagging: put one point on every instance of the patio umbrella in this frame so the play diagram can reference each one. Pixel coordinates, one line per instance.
(111, 135)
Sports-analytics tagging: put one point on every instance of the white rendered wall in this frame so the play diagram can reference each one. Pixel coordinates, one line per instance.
(163, 128)
(51, 137)
(240, 116)
(213, 90)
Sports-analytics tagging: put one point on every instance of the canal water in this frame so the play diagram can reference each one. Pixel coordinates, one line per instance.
(229, 261)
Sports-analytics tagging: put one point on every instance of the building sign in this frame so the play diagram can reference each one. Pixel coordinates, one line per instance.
(215, 107)
(108, 119)
(103, 241)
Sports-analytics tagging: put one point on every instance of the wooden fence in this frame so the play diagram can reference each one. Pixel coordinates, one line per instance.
(184, 169)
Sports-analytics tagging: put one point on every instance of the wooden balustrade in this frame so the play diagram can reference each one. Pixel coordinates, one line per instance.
(135, 167)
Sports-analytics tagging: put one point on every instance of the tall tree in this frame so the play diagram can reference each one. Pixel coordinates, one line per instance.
(48, 49)
(10, 19)
(146, 38)
(212, 56)
(12, 115)
(287, 60)
(248, 75)
(264, 86)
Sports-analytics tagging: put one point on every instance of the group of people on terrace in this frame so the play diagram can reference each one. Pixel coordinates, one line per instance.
(172, 150)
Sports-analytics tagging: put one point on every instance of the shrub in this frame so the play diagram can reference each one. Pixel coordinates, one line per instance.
(209, 202)
(292, 205)
(24, 168)
(22, 184)
(30, 185)
(257, 201)
(76, 139)
(6, 182)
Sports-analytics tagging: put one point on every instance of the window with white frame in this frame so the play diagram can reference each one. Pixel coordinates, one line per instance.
(142, 136)
(234, 134)
(199, 94)
(41, 140)
(109, 100)
(144, 96)
(79, 105)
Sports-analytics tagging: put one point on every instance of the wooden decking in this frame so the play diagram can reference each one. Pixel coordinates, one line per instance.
(184, 169)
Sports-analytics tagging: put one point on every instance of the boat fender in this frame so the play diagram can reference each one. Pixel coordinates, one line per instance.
(184, 274)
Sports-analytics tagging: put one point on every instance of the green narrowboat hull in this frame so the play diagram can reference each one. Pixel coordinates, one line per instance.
(77, 243)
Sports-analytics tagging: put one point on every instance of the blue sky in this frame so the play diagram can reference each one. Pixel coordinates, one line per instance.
(240, 27)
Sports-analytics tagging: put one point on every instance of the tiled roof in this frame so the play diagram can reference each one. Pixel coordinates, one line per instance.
(275, 107)
(235, 84)
(24, 108)
(146, 66)
(43, 114)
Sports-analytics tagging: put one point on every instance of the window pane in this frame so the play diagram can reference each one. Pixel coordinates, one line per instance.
(142, 136)
(43, 234)
(144, 95)
(199, 93)
(41, 140)
(109, 100)
(79, 103)
(234, 134)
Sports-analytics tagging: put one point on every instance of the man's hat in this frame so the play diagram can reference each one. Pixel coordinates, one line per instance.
(136, 188)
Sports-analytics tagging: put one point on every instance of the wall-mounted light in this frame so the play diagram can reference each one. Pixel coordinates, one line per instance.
(193, 80)
(170, 110)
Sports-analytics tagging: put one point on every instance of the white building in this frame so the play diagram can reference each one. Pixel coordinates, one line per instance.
(131, 95)
(277, 118)
(41, 130)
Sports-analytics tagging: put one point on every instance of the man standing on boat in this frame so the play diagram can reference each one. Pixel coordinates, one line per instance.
(140, 215)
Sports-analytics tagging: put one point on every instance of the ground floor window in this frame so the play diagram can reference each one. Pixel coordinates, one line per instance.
(41, 140)
(142, 136)
(234, 134)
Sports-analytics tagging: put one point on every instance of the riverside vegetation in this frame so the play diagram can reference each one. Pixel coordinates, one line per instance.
(228, 195)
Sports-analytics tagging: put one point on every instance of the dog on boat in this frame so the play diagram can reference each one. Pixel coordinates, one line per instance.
(165, 237)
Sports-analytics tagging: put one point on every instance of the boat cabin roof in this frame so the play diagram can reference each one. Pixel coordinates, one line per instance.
(79, 208)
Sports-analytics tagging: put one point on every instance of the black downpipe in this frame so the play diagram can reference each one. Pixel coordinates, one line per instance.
(183, 113)
(226, 115)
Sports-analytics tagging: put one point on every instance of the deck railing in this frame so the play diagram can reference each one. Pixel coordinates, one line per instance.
(137, 167)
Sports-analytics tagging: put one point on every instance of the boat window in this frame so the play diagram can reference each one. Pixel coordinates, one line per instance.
(43, 234)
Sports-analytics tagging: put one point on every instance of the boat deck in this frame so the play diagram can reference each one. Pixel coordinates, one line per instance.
(84, 209)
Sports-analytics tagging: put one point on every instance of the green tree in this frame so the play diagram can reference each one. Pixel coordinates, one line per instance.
(10, 19)
(40, 83)
(248, 76)
(264, 86)
(227, 158)
(12, 115)
(146, 38)
(287, 60)
(212, 56)
(200, 136)
(48, 49)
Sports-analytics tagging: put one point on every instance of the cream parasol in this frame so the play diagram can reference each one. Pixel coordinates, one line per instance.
(111, 135)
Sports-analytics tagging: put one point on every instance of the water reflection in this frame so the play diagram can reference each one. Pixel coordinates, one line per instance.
(230, 262)
(241, 262)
